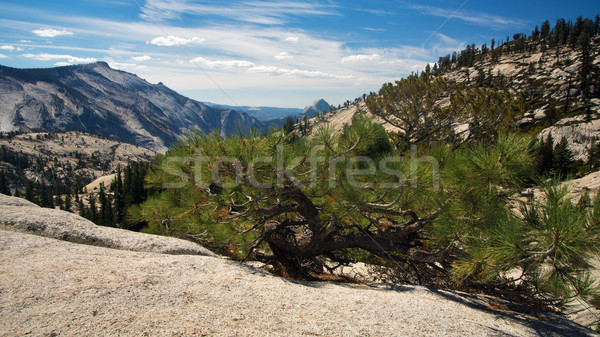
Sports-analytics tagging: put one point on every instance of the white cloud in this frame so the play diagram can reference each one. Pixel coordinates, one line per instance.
(49, 32)
(3, 56)
(25, 41)
(294, 39)
(169, 41)
(256, 11)
(476, 18)
(271, 70)
(374, 29)
(141, 58)
(10, 48)
(125, 65)
(223, 64)
(68, 58)
(283, 56)
(360, 58)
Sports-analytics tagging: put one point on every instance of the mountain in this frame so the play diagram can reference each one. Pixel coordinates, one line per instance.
(262, 113)
(316, 108)
(97, 99)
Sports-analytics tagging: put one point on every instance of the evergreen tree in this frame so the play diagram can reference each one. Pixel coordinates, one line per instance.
(289, 125)
(563, 158)
(67, 206)
(119, 197)
(545, 155)
(58, 202)
(92, 210)
(105, 216)
(83, 212)
(30, 192)
(460, 225)
(4, 188)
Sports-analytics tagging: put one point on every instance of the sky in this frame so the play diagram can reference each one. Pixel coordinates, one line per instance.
(284, 53)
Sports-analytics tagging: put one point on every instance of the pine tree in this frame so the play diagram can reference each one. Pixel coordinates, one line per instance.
(4, 188)
(289, 125)
(67, 206)
(460, 225)
(92, 210)
(83, 212)
(545, 155)
(58, 202)
(563, 158)
(105, 216)
(119, 197)
(30, 192)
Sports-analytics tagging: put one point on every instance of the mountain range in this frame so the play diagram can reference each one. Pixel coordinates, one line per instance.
(97, 99)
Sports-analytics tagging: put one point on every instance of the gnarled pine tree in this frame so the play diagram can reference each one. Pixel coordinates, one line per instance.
(308, 205)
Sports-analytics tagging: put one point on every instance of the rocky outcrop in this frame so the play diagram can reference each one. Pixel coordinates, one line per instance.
(23, 216)
(51, 287)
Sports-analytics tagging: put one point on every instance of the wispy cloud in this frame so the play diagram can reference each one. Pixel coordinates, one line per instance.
(141, 58)
(257, 12)
(273, 70)
(374, 29)
(223, 64)
(360, 58)
(50, 32)
(10, 48)
(169, 41)
(3, 56)
(283, 56)
(125, 65)
(51, 57)
(475, 18)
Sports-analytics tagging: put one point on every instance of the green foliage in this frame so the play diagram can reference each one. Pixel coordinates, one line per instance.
(548, 248)
(554, 160)
(431, 213)
(288, 126)
(4, 188)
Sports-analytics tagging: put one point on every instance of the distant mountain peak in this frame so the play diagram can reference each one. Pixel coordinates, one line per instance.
(316, 108)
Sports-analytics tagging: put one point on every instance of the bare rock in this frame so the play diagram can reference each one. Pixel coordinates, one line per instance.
(21, 215)
(53, 287)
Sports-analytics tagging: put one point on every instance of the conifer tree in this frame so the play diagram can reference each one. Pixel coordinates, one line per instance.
(4, 188)
(545, 154)
(68, 200)
(30, 192)
(289, 125)
(92, 213)
(105, 216)
(563, 158)
(337, 199)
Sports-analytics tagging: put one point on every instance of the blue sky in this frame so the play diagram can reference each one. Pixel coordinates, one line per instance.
(264, 52)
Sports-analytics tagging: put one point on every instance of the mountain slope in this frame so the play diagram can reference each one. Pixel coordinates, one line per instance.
(63, 160)
(97, 99)
(559, 85)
